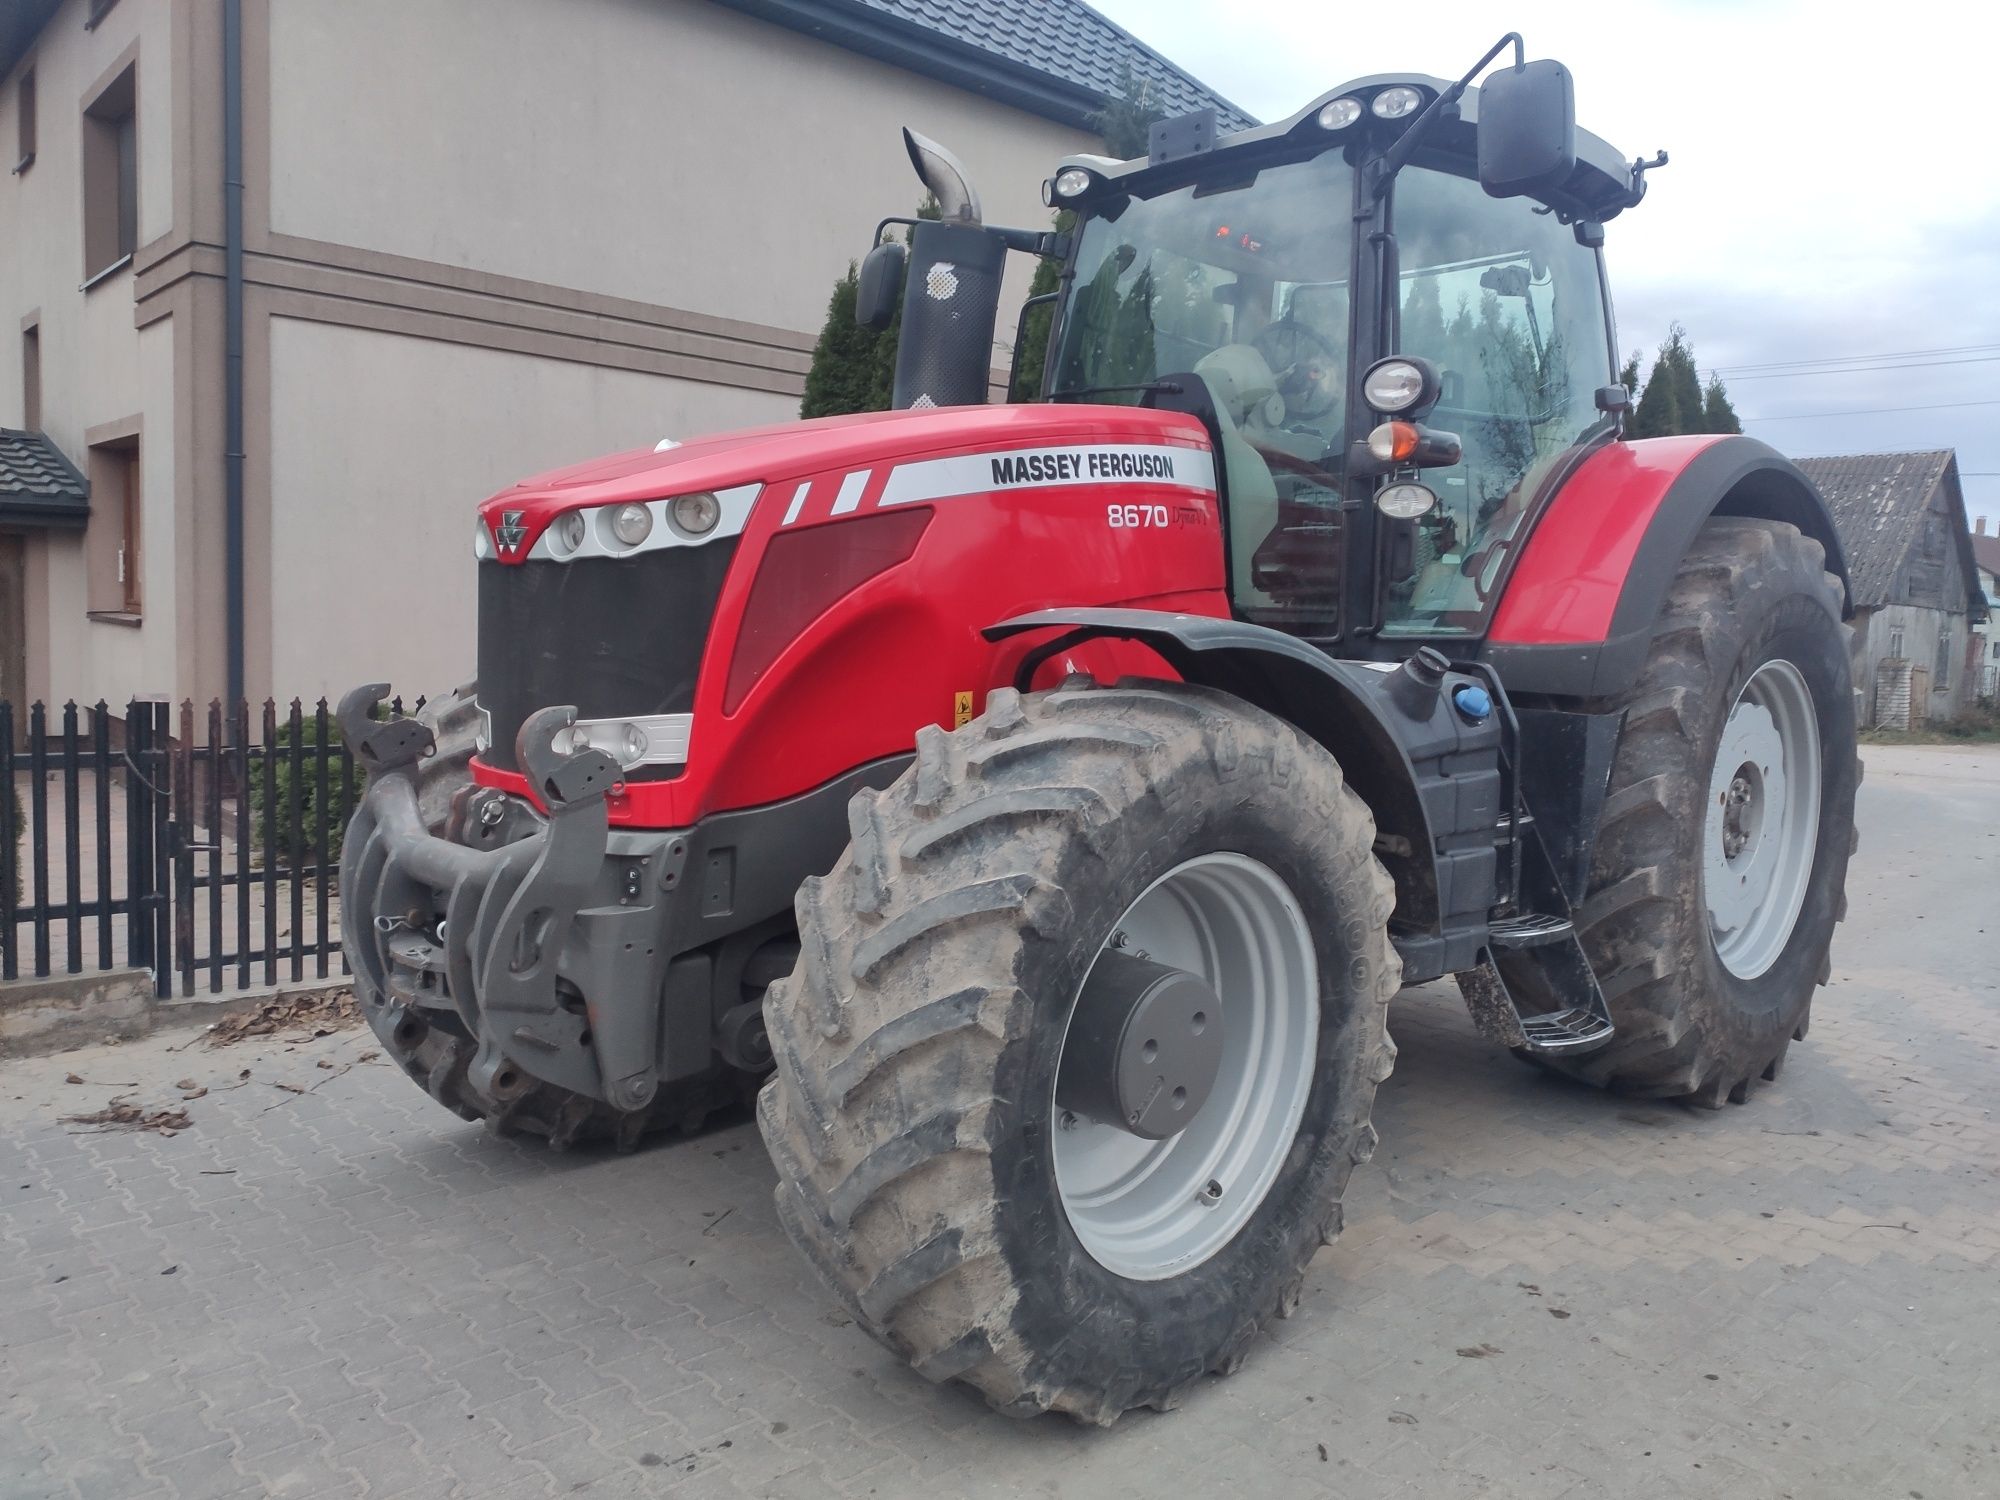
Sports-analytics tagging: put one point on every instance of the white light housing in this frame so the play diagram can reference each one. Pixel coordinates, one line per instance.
(696, 514)
(1406, 501)
(482, 543)
(1339, 114)
(569, 532)
(1394, 103)
(1072, 182)
(630, 524)
(1393, 385)
(656, 740)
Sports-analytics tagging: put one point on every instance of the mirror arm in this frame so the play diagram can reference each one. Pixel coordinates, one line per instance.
(1392, 161)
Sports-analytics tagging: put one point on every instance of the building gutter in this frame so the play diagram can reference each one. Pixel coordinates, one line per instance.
(232, 303)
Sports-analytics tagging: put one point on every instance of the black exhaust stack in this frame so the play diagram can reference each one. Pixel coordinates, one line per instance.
(952, 292)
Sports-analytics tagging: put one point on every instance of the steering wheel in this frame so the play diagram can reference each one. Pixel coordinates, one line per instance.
(1307, 366)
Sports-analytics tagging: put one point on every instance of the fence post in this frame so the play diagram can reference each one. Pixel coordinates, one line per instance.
(184, 805)
(159, 767)
(10, 848)
(38, 825)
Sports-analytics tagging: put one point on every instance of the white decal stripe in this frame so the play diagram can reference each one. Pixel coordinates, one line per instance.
(1090, 465)
(851, 487)
(798, 502)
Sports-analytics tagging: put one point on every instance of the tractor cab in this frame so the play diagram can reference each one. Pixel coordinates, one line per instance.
(1444, 237)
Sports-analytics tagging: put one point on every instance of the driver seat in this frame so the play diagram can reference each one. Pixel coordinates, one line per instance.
(1245, 393)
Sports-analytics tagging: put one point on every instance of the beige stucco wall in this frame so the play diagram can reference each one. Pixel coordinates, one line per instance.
(97, 369)
(669, 151)
(383, 444)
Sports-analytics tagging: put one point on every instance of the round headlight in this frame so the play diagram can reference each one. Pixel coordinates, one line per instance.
(630, 524)
(1340, 114)
(482, 543)
(697, 514)
(1394, 103)
(1393, 385)
(1072, 182)
(635, 745)
(1405, 502)
(569, 532)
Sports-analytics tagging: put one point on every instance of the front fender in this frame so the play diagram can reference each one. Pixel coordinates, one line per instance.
(1431, 777)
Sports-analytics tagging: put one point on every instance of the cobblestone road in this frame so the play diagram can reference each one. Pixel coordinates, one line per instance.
(1542, 1291)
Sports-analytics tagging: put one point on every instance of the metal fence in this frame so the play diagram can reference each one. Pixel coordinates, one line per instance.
(204, 846)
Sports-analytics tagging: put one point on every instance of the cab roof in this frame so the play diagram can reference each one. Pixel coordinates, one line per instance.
(1599, 187)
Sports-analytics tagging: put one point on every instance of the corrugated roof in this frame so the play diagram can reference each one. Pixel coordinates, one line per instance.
(1986, 552)
(38, 486)
(1058, 58)
(1879, 501)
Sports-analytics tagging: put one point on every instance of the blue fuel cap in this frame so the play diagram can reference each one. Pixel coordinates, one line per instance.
(1473, 701)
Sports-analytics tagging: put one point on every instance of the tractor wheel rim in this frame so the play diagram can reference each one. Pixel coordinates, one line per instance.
(1148, 1210)
(1762, 824)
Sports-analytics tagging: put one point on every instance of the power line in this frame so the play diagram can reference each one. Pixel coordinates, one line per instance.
(1848, 359)
(1869, 411)
(1933, 364)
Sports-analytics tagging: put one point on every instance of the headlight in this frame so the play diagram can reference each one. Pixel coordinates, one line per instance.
(570, 530)
(1072, 182)
(1394, 385)
(1394, 103)
(1405, 502)
(697, 514)
(629, 524)
(1393, 442)
(482, 543)
(656, 740)
(1340, 114)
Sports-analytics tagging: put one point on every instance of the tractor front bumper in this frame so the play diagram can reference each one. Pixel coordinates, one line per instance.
(540, 939)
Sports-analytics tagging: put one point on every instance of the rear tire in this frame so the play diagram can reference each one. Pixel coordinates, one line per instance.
(1708, 989)
(911, 1116)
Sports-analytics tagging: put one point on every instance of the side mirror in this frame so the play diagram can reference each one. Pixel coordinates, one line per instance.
(880, 286)
(1527, 129)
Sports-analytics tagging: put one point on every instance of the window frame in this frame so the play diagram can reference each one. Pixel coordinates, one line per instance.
(110, 173)
(114, 538)
(31, 372)
(26, 111)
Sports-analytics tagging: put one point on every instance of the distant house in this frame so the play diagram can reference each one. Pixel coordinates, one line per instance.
(1915, 589)
(1986, 637)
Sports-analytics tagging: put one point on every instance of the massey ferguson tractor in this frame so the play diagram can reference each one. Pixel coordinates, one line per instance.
(1035, 807)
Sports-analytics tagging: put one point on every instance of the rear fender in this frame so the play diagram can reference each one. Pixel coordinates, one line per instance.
(1431, 779)
(1577, 614)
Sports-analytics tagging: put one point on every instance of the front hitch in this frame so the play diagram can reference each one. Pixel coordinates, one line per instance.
(482, 931)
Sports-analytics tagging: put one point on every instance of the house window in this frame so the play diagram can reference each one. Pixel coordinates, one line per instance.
(31, 377)
(111, 176)
(114, 556)
(1896, 641)
(24, 134)
(1942, 674)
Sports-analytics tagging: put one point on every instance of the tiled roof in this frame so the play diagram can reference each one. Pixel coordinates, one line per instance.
(38, 486)
(1986, 552)
(1058, 58)
(1878, 501)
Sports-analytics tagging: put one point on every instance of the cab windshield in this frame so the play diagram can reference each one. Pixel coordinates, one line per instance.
(1247, 287)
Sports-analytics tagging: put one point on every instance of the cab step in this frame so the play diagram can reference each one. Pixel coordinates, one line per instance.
(1532, 930)
(1537, 955)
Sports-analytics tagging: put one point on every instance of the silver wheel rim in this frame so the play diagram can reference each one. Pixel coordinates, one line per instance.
(1148, 1210)
(1763, 819)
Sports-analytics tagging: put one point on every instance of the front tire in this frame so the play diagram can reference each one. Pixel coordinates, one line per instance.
(1721, 860)
(913, 1115)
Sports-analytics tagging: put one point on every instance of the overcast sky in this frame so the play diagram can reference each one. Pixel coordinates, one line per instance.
(1834, 189)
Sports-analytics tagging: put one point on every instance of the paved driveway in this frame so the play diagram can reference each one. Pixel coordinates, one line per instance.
(1542, 1291)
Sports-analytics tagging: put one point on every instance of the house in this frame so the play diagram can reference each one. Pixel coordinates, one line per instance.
(1916, 596)
(473, 239)
(1986, 636)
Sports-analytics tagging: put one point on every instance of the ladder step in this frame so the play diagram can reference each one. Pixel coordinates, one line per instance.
(1530, 931)
(1565, 1030)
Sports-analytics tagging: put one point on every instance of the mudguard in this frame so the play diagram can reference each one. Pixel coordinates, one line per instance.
(1576, 615)
(1430, 773)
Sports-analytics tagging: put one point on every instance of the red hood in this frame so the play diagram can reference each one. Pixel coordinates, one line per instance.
(792, 450)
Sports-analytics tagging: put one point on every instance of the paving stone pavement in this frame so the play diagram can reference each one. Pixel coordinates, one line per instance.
(1542, 1291)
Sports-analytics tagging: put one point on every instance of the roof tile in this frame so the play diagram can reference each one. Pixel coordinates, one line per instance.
(1878, 502)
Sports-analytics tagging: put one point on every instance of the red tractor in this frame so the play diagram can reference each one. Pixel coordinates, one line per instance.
(1037, 806)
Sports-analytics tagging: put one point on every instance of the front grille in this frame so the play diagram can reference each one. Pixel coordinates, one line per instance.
(616, 637)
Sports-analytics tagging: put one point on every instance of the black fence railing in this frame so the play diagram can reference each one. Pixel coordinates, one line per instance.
(203, 846)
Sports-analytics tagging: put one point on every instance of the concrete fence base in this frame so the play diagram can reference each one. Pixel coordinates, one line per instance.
(75, 1010)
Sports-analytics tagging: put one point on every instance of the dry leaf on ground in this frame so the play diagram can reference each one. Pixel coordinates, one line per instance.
(311, 1015)
(121, 1114)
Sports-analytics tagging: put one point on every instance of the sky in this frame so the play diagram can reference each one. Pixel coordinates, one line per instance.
(1827, 231)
